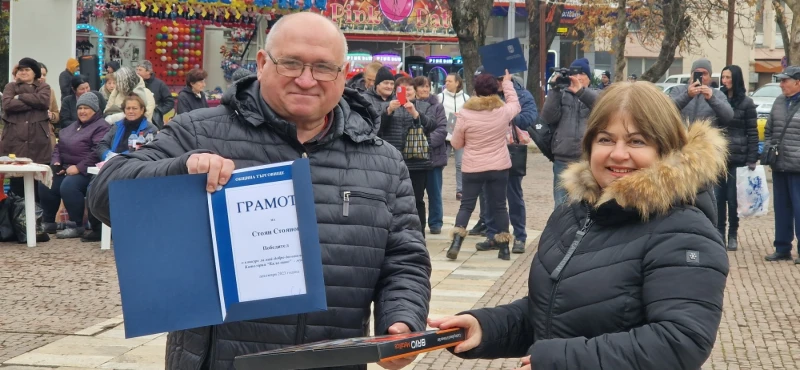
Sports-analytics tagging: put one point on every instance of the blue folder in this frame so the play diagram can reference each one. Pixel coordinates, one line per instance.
(165, 257)
(496, 58)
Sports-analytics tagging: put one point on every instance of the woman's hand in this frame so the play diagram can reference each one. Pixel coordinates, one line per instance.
(526, 364)
(507, 76)
(468, 322)
(73, 170)
(394, 104)
(412, 110)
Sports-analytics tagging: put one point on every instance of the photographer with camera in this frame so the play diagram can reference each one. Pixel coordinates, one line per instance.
(566, 109)
(698, 101)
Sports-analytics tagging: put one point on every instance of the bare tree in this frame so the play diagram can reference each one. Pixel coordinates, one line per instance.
(470, 21)
(534, 84)
(780, 19)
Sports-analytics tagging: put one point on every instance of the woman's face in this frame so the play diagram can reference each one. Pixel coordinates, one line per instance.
(385, 88)
(619, 150)
(133, 110)
(82, 89)
(44, 75)
(410, 94)
(111, 84)
(25, 75)
(199, 86)
(85, 113)
(450, 84)
(727, 79)
(423, 92)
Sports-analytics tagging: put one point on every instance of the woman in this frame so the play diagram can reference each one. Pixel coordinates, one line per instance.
(118, 139)
(453, 98)
(742, 135)
(72, 156)
(53, 112)
(481, 132)
(109, 86)
(69, 104)
(396, 121)
(433, 185)
(26, 104)
(630, 274)
(193, 96)
(128, 82)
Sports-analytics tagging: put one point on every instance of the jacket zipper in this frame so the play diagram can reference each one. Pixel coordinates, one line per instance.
(556, 274)
(210, 352)
(347, 194)
(301, 329)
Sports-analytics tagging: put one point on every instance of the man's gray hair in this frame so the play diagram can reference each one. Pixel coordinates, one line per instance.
(276, 28)
(146, 65)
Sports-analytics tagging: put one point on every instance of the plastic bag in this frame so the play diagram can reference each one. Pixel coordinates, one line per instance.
(752, 193)
(19, 222)
(6, 226)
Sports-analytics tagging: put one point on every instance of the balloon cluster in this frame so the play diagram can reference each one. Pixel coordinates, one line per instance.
(180, 47)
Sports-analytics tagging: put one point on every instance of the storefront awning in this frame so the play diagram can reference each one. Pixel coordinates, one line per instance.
(768, 66)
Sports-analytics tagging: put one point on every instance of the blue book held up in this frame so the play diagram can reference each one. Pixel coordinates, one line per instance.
(181, 266)
(496, 58)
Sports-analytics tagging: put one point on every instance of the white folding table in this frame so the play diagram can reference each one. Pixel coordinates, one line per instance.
(29, 172)
(105, 234)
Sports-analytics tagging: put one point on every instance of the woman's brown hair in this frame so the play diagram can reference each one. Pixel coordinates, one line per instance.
(420, 81)
(136, 98)
(654, 113)
(195, 75)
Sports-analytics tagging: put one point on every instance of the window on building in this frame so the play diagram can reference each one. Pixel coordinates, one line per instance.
(603, 61)
(635, 66)
(639, 66)
(761, 14)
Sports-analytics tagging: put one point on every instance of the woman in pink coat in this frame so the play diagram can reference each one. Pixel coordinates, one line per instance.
(481, 128)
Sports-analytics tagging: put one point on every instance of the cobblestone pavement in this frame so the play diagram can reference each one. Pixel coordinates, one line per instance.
(43, 301)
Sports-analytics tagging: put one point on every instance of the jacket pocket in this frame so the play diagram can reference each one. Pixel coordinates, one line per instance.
(360, 197)
(366, 207)
(45, 128)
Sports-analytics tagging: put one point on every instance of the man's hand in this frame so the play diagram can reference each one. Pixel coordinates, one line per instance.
(526, 363)
(409, 106)
(574, 84)
(398, 328)
(219, 169)
(73, 170)
(469, 322)
(707, 92)
(694, 89)
(394, 104)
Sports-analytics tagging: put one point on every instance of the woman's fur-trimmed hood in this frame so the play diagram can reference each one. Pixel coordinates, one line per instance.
(677, 178)
(484, 103)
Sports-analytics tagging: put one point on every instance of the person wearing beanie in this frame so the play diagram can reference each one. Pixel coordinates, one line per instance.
(165, 102)
(381, 93)
(66, 76)
(128, 82)
(69, 105)
(111, 67)
(698, 101)
(566, 111)
(26, 104)
(605, 80)
(72, 157)
(241, 73)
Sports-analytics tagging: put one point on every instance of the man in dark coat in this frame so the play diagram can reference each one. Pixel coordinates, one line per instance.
(372, 249)
(165, 102)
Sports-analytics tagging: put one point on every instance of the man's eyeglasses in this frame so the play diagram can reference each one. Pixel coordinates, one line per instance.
(293, 68)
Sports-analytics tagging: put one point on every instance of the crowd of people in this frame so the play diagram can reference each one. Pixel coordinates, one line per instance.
(645, 203)
(86, 127)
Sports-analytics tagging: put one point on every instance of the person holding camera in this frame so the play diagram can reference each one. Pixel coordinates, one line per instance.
(698, 100)
(566, 110)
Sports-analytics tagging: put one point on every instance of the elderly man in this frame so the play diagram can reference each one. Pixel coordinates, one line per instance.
(781, 131)
(165, 102)
(698, 100)
(297, 107)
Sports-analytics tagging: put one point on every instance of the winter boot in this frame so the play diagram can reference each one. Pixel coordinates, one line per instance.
(458, 234)
(486, 245)
(502, 240)
(733, 242)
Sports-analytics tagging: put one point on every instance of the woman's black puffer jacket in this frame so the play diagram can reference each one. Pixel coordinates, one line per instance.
(742, 132)
(644, 288)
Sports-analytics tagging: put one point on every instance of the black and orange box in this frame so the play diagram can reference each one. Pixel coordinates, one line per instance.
(353, 351)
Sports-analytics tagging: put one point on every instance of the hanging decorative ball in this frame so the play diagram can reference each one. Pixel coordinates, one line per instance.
(164, 29)
(163, 58)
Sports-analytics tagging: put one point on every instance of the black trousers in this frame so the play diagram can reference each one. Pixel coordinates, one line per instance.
(727, 203)
(419, 179)
(17, 186)
(496, 183)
